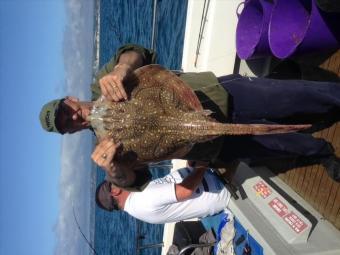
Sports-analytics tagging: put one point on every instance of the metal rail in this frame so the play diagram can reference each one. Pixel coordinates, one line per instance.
(139, 237)
(153, 35)
(202, 26)
(193, 246)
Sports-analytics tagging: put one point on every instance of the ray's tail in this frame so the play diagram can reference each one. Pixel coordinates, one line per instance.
(254, 129)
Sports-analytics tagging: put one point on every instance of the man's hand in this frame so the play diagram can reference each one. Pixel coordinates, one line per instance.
(119, 173)
(111, 85)
(104, 153)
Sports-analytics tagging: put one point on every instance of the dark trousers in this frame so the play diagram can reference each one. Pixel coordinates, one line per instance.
(261, 100)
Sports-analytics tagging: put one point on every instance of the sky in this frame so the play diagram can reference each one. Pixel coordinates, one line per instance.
(46, 49)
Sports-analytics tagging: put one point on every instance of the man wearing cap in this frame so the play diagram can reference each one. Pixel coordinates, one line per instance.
(68, 115)
(231, 98)
(191, 192)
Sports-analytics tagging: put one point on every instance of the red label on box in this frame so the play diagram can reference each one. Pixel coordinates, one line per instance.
(279, 207)
(297, 224)
(262, 189)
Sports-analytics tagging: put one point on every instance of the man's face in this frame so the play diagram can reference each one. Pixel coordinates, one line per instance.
(71, 116)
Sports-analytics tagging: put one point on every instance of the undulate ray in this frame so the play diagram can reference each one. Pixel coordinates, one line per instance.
(163, 117)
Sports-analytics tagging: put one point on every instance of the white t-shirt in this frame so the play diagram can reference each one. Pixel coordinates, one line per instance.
(157, 203)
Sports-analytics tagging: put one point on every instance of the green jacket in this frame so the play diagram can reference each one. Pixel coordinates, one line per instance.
(205, 85)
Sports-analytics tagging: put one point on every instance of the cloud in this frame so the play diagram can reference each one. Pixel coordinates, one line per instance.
(77, 177)
(76, 190)
(78, 47)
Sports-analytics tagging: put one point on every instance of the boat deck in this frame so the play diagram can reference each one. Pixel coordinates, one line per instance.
(210, 45)
(312, 183)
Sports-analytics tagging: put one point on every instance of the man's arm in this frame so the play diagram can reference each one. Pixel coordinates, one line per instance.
(111, 85)
(188, 186)
(124, 55)
(123, 175)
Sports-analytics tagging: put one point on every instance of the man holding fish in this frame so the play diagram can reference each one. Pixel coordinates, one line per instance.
(227, 99)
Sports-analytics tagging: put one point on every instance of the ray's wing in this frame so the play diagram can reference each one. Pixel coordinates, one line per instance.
(152, 145)
(157, 76)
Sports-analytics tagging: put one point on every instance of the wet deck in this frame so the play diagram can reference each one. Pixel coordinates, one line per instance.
(312, 183)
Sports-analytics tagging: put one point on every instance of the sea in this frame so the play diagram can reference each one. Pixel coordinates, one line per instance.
(131, 21)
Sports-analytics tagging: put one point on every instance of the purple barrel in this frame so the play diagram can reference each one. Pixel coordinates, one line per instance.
(252, 29)
(288, 26)
(299, 26)
(323, 32)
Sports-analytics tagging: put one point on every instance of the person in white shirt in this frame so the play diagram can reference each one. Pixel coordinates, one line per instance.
(190, 192)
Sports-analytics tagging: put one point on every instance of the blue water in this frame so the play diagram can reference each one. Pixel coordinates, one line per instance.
(130, 21)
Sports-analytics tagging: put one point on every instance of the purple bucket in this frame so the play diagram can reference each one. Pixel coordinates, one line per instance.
(288, 25)
(323, 32)
(299, 26)
(252, 29)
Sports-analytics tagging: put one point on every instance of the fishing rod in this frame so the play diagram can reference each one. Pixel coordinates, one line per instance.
(87, 241)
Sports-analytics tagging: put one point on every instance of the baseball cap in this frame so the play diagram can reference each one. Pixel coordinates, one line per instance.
(104, 198)
(48, 115)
